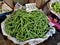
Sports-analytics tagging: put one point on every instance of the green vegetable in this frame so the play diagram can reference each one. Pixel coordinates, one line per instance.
(27, 25)
(56, 7)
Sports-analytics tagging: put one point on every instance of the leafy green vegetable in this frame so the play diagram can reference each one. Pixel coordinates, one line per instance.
(27, 25)
(56, 7)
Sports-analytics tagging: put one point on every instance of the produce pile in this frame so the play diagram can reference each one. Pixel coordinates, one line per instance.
(56, 7)
(27, 25)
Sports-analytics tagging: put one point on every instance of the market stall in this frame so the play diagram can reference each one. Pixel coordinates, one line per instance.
(28, 23)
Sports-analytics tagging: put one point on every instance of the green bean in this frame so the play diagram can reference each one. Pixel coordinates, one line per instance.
(27, 25)
(56, 7)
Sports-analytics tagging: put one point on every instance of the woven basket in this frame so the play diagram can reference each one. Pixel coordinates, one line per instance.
(51, 9)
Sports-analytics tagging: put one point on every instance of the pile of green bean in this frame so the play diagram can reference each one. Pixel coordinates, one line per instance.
(56, 7)
(27, 25)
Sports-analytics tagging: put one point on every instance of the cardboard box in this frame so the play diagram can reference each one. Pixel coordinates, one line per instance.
(9, 2)
(5, 10)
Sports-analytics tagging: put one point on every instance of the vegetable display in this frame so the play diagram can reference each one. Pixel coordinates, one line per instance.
(56, 7)
(27, 25)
